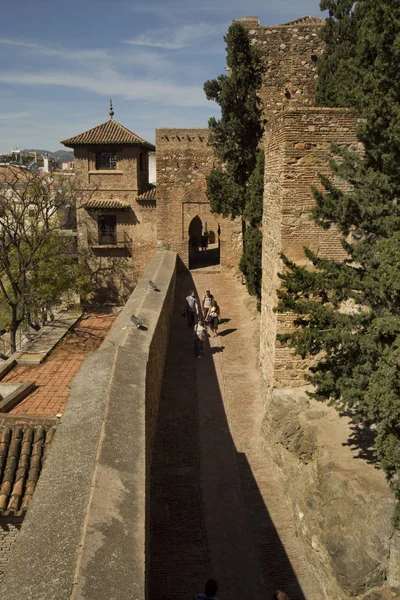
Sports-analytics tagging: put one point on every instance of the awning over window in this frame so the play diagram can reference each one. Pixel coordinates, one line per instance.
(149, 195)
(104, 204)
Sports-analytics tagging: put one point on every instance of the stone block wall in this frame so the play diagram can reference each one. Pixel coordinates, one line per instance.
(9, 530)
(290, 55)
(297, 148)
(126, 179)
(184, 159)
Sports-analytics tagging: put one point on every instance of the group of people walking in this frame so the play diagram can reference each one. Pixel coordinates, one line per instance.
(198, 323)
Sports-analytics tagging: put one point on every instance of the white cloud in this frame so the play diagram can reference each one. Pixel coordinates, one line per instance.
(169, 39)
(63, 53)
(11, 116)
(107, 81)
(145, 59)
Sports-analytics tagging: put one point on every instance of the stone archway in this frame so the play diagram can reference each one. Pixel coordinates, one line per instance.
(203, 241)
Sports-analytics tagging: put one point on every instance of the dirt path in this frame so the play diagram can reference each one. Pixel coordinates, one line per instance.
(218, 506)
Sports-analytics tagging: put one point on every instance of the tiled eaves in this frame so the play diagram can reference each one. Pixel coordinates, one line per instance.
(148, 195)
(23, 449)
(105, 203)
(110, 132)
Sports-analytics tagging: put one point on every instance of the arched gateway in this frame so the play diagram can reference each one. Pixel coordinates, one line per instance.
(184, 159)
(204, 246)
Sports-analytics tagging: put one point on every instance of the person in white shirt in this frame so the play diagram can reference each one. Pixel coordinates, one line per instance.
(207, 300)
(213, 316)
(199, 336)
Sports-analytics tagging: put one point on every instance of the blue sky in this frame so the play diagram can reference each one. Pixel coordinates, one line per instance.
(63, 59)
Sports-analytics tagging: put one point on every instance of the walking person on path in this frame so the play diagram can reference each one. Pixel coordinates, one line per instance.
(192, 308)
(199, 335)
(204, 242)
(207, 300)
(210, 589)
(213, 317)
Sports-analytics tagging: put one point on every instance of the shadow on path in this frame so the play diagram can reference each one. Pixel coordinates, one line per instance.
(227, 332)
(204, 498)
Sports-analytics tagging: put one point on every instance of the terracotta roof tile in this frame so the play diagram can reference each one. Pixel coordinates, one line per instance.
(149, 195)
(23, 450)
(110, 132)
(102, 203)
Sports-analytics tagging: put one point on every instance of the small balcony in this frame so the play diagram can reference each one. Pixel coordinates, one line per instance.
(110, 239)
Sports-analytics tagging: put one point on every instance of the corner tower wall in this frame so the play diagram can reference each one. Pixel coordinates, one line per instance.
(297, 149)
(290, 54)
(297, 146)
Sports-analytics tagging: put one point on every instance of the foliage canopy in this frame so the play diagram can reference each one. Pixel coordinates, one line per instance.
(38, 261)
(235, 188)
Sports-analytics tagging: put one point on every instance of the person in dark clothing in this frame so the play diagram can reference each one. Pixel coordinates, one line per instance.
(192, 308)
(210, 589)
(204, 242)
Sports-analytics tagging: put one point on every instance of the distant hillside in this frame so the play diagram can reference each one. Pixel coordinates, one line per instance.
(63, 155)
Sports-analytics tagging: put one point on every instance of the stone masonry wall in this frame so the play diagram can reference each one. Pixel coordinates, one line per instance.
(290, 54)
(184, 159)
(298, 147)
(9, 530)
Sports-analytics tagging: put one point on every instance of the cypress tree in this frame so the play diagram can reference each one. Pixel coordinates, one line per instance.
(235, 188)
(350, 311)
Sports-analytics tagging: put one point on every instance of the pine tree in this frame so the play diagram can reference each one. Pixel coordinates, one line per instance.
(350, 311)
(235, 189)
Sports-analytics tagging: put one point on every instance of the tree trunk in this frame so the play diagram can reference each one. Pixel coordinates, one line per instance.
(13, 337)
(15, 323)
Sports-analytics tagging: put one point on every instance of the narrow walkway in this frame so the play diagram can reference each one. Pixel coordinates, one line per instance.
(218, 506)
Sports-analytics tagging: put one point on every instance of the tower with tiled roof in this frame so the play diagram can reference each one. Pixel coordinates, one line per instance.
(116, 223)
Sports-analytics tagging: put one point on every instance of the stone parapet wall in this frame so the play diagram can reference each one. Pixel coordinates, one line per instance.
(85, 533)
(297, 148)
(184, 159)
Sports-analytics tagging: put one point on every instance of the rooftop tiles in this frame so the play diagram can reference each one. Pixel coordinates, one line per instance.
(53, 377)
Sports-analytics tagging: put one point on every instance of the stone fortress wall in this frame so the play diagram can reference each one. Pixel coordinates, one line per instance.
(297, 144)
(290, 54)
(333, 496)
(298, 147)
(184, 159)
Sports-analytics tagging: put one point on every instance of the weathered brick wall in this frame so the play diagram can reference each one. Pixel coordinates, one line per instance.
(126, 179)
(297, 147)
(290, 53)
(184, 159)
(116, 271)
(9, 530)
